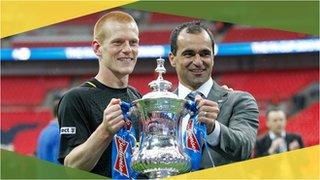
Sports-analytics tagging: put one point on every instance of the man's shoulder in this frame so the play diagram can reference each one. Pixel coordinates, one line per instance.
(76, 93)
(135, 92)
(241, 94)
(293, 135)
(232, 94)
(73, 93)
(240, 98)
(81, 89)
(234, 97)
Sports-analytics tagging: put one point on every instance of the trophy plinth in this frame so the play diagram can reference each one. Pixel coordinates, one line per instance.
(160, 112)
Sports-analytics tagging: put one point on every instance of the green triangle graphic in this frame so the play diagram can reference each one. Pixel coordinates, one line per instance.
(296, 16)
(16, 166)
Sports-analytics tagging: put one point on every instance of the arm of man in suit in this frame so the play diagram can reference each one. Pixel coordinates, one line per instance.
(238, 138)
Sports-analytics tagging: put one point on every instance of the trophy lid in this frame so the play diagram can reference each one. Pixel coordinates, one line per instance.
(160, 87)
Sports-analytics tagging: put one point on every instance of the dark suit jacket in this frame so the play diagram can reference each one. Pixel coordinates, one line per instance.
(238, 118)
(263, 144)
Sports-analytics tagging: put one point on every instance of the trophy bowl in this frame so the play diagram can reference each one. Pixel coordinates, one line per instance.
(160, 152)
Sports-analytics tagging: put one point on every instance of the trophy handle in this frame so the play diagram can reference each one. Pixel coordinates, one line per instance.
(198, 131)
(193, 107)
(126, 108)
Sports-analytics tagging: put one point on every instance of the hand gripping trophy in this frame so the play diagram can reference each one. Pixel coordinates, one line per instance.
(165, 149)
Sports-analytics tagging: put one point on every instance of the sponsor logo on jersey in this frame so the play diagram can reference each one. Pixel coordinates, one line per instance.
(68, 130)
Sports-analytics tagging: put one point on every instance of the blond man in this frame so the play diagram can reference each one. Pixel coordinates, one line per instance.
(90, 115)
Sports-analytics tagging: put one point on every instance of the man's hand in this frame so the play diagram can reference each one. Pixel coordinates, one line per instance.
(113, 119)
(208, 112)
(294, 145)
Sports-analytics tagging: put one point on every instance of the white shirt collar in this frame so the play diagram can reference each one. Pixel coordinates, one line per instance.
(273, 136)
(205, 88)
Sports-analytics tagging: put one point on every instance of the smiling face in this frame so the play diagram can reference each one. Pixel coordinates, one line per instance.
(118, 51)
(194, 58)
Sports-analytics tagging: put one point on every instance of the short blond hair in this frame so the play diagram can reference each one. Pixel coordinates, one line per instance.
(117, 16)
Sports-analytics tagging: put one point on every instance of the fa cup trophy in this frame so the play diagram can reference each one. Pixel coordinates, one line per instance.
(162, 143)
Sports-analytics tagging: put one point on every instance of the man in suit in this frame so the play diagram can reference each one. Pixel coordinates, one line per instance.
(231, 117)
(277, 140)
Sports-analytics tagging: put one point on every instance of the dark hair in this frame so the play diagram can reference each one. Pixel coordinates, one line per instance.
(193, 27)
(273, 109)
(56, 96)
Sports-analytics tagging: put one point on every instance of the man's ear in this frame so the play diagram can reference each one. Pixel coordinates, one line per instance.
(96, 48)
(171, 58)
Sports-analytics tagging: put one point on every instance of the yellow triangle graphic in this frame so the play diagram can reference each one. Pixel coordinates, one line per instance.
(298, 164)
(21, 16)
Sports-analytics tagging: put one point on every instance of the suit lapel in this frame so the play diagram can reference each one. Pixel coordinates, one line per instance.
(218, 94)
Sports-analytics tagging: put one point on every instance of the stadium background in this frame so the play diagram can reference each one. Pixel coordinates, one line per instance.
(283, 78)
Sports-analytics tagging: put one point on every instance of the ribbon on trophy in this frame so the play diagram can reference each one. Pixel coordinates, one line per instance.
(123, 146)
(194, 137)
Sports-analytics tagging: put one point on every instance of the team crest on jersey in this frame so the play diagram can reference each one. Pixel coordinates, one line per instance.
(121, 164)
(192, 142)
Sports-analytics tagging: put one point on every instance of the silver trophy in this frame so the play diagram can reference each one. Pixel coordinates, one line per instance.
(160, 112)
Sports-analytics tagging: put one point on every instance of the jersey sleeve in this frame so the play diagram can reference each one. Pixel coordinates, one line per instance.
(72, 117)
